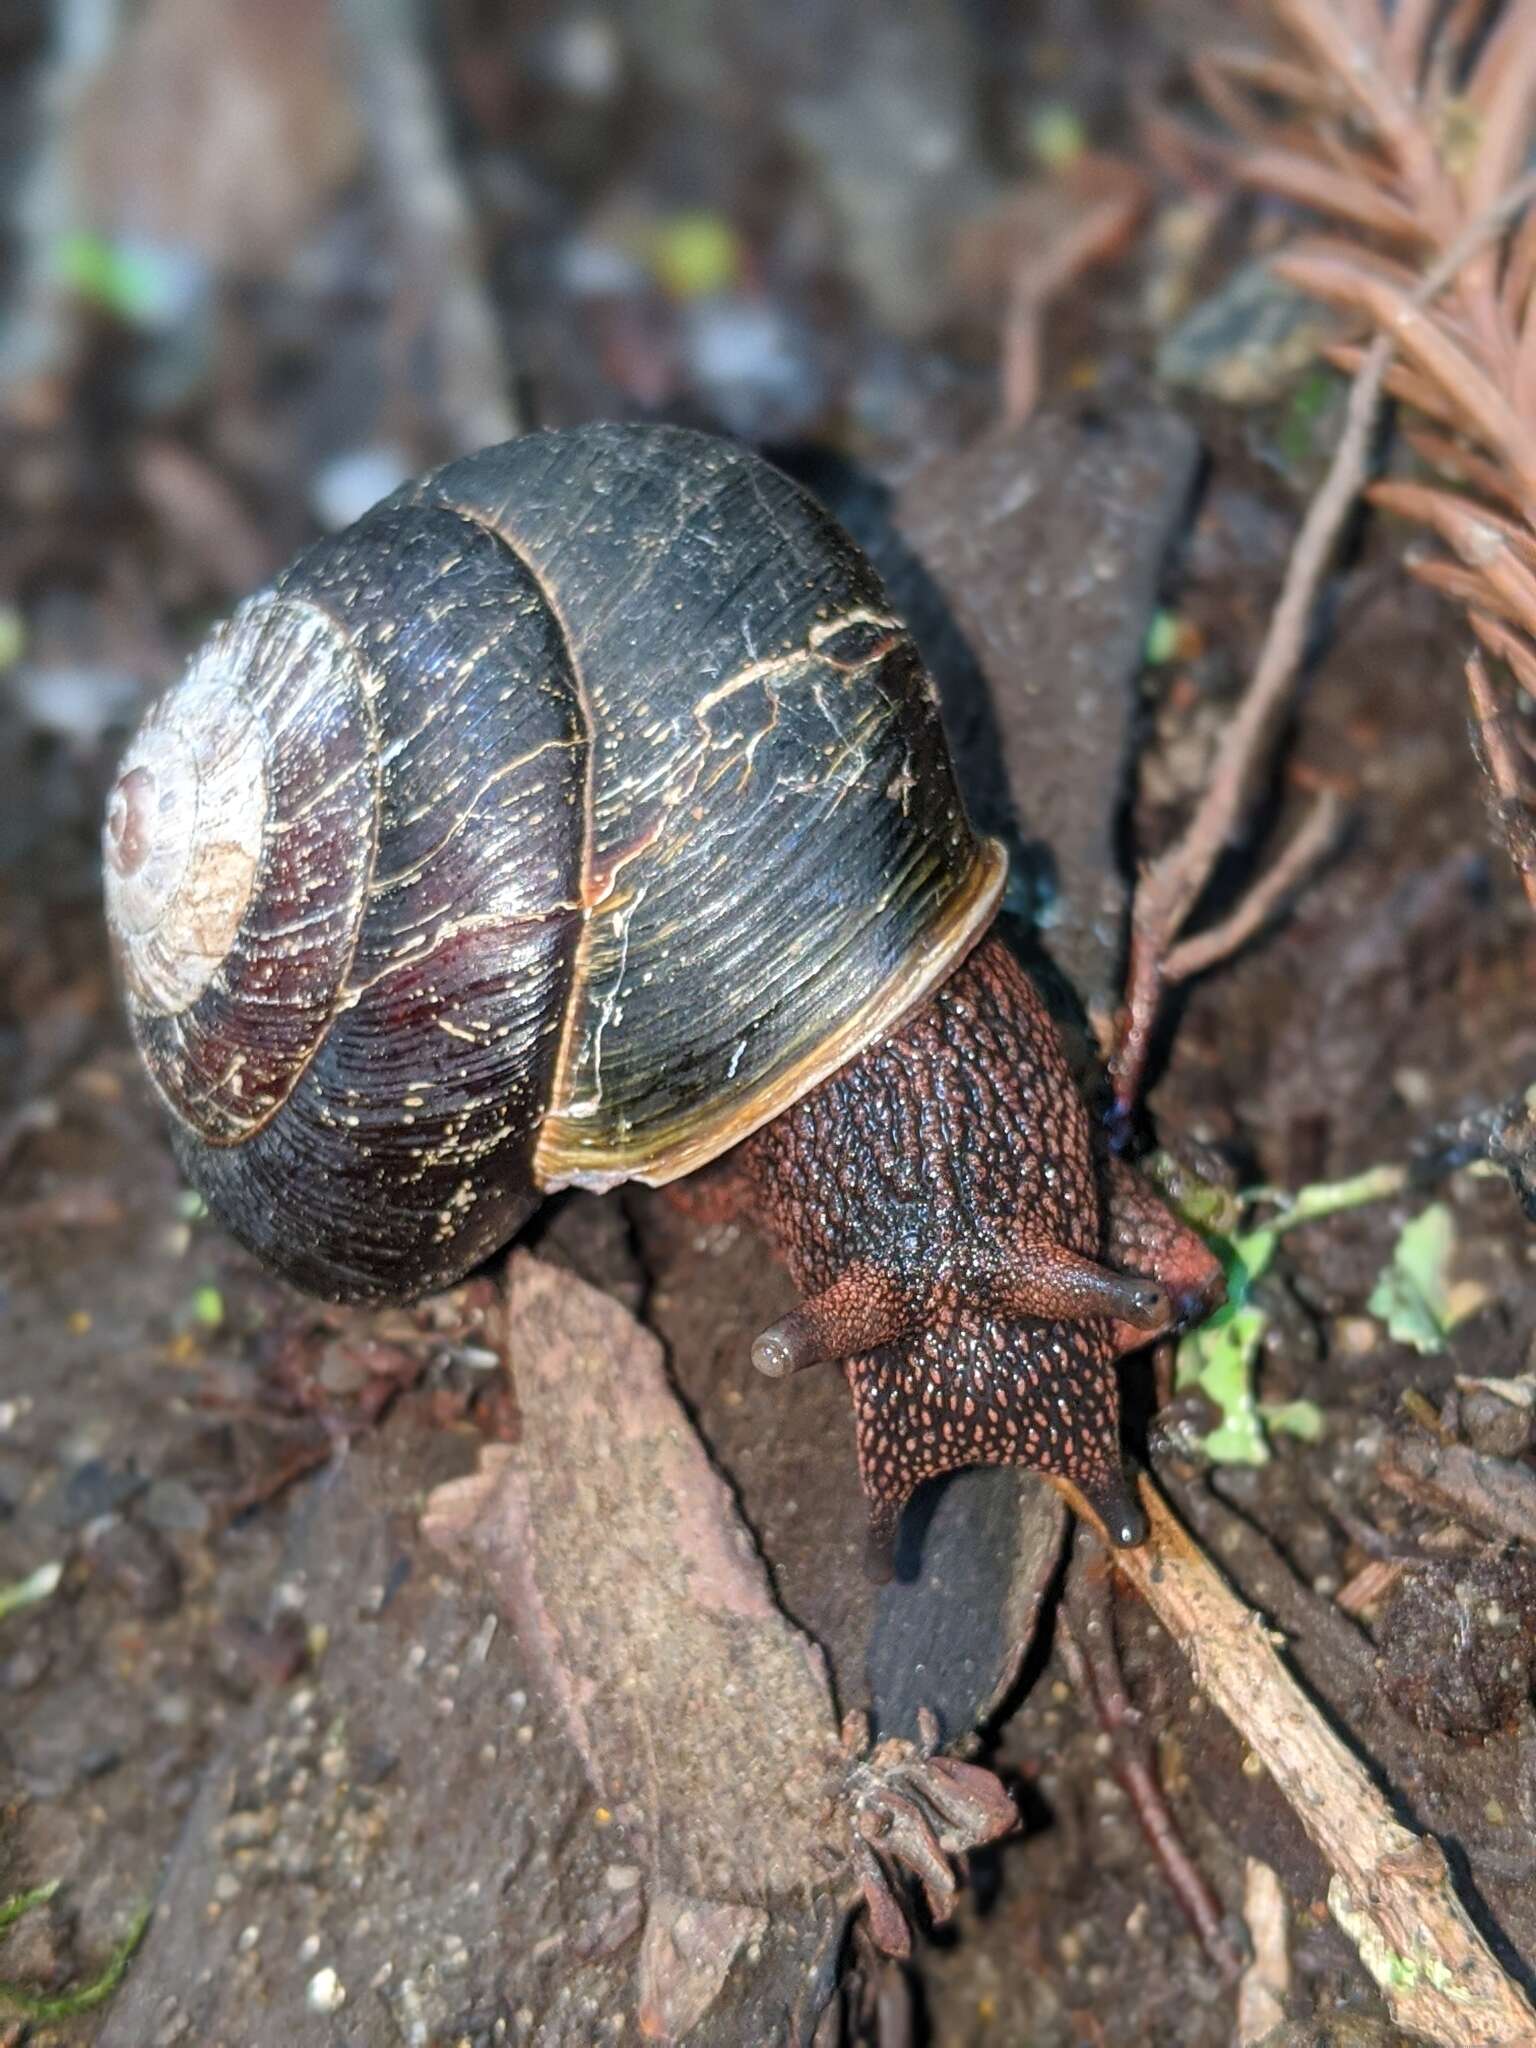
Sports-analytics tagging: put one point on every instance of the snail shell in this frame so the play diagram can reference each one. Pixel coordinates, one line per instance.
(565, 819)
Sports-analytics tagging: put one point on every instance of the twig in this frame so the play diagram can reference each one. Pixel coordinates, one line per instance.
(1391, 1890)
(1516, 824)
(1267, 1979)
(1086, 1632)
(1405, 124)
(1170, 886)
(436, 232)
(1307, 846)
(1090, 237)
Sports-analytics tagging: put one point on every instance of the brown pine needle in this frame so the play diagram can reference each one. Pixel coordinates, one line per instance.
(1498, 756)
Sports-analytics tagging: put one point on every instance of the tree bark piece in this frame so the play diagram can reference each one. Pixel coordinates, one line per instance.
(1047, 544)
(703, 1717)
(1495, 1496)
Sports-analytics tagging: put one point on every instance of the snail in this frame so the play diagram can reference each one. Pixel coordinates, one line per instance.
(583, 814)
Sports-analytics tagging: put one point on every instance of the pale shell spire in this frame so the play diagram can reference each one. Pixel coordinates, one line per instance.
(184, 829)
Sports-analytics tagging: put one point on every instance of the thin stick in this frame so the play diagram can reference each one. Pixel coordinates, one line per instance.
(1086, 1633)
(1307, 846)
(1495, 1496)
(1391, 1890)
(1502, 770)
(450, 306)
(1171, 885)
(1092, 236)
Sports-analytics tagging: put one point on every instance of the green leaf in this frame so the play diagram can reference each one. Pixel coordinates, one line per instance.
(1163, 638)
(1205, 1204)
(1307, 414)
(1327, 1197)
(1249, 1260)
(1294, 1418)
(13, 637)
(1218, 1358)
(1412, 1291)
(118, 280)
(1057, 138)
(1237, 1441)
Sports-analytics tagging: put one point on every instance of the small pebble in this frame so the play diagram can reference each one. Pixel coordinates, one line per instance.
(1249, 342)
(1356, 1335)
(91, 1490)
(250, 1828)
(325, 1992)
(1491, 1424)
(247, 1656)
(585, 57)
(22, 1670)
(136, 1564)
(170, 1504)
(341, 1369)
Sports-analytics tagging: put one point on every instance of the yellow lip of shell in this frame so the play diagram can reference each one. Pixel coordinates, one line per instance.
(685, 1147)
(183, 836)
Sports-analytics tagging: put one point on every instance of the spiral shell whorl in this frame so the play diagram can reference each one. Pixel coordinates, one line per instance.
(358, 1083)
(183, 838)
(235, 882)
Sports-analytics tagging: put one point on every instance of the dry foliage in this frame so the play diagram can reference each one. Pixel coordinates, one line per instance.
(1407, 124)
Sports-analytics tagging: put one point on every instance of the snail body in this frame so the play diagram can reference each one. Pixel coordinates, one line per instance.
(580, 812)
